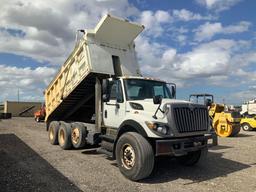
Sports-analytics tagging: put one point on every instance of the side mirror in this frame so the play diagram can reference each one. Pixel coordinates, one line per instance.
(105, 90)
(105, 97)
(157, 99)
(208, 102)
(105, 86)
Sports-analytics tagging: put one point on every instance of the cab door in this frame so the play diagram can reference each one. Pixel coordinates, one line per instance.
(114, 110)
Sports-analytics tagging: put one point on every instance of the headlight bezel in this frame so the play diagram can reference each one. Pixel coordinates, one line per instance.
(158, 127)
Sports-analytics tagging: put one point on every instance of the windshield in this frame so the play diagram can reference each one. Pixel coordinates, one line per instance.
(139, 89)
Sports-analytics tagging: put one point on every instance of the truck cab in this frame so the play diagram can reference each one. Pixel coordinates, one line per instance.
(131, 98)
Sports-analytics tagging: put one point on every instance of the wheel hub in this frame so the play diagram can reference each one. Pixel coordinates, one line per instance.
(51, 134)
(61, 137)
(75, 135)
(128, 156)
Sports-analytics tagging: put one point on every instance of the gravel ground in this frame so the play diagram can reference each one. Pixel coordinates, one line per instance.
(28, 162)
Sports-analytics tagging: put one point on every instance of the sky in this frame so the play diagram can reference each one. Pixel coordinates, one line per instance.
(204, 46)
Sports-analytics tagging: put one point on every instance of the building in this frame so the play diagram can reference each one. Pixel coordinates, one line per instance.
(21, 109)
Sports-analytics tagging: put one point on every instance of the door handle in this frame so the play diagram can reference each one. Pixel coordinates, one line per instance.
(106, 114)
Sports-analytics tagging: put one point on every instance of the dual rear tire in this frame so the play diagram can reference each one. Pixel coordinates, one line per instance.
(64, 136)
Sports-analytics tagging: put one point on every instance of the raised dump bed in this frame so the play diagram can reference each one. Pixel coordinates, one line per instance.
(106, 51)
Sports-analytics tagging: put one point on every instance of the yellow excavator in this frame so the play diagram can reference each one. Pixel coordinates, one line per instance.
(224, 123)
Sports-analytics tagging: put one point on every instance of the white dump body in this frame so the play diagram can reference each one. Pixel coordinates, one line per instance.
(250, 108)
(92, 57)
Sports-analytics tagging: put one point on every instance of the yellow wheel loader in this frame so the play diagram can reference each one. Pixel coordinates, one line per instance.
(224, 123)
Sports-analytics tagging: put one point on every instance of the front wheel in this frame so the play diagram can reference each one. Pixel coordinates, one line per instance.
(135, 156)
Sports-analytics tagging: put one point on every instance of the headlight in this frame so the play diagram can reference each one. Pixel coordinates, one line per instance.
(136, 106)
(160, 128)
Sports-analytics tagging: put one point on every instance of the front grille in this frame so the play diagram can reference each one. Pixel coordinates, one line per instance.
(191, 119)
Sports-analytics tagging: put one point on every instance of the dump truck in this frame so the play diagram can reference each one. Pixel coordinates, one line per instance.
(99, 97)
(225, 123)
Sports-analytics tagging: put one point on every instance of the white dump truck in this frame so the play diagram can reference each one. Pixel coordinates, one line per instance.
(99, 97)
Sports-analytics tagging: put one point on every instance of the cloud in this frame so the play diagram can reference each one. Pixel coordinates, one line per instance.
(30, 82)
(218, 5)
(243, 96)
(160, 21)
(154, 21)
(48, 27)
(205, 60)
(186, 15)
(209, 62)
(45, 31)
(245, 59)
(208, 30)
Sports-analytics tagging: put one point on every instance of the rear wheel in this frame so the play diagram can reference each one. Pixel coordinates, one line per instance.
(192, 157)
(53, 132)
(135, 156)
(64, 136)
(78, 135)
(246, 127)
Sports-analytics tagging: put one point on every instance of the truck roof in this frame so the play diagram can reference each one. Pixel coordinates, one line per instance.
(144, 78)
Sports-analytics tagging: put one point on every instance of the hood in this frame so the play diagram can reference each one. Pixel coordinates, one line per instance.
(150, 107)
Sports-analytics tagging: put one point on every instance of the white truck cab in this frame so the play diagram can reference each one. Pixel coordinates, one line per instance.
(134, 99)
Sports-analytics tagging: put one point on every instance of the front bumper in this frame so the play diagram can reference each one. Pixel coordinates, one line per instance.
(181, 146)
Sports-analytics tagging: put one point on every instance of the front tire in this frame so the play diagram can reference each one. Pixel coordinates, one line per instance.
(135, 156)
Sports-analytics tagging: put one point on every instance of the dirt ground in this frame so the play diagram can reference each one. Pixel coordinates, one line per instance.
(28, 162)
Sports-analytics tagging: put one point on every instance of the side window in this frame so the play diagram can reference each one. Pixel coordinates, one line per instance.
(113, 92)
(134, 91)
(119, 95)
(116, 92)
(158, 90)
